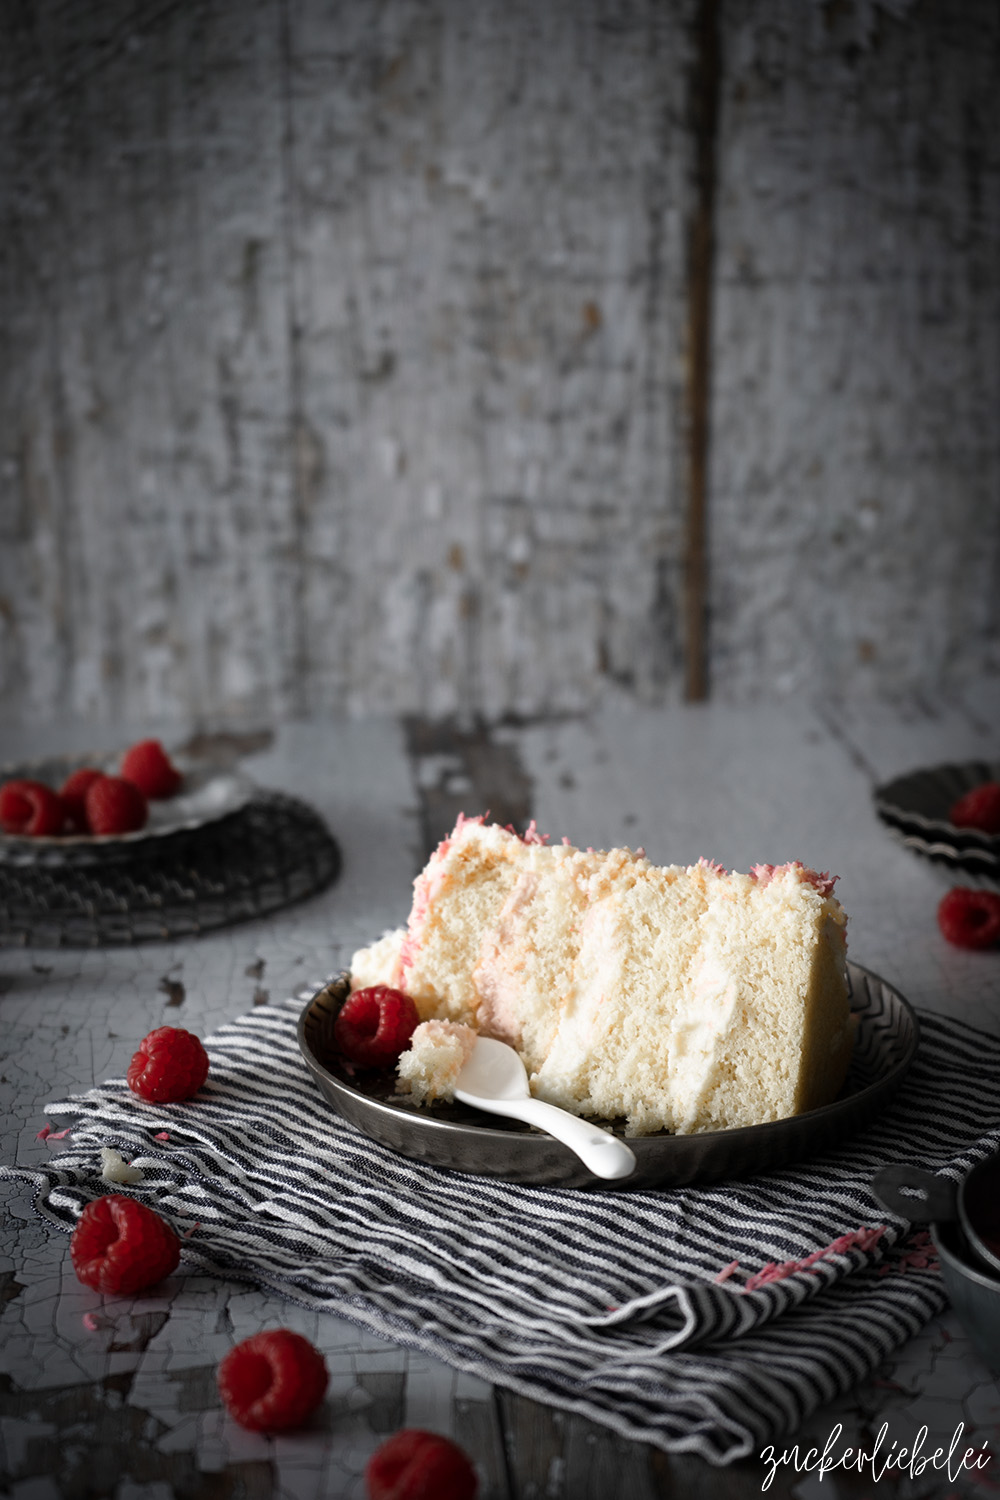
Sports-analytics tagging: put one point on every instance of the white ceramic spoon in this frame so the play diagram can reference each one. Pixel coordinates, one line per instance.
(494, 1079)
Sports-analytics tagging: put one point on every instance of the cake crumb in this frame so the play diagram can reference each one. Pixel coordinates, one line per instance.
(114, 1168)
(437, 1053)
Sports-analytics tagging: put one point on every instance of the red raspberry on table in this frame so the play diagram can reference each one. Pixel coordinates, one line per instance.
(171, 1064)
(416, 1465)
(375, 1025)
(74, 795)
(970, 919)
(114, 805)
(272, 1381)
(120, 1246)
(979, 808)
(150, 768)
(30, 807)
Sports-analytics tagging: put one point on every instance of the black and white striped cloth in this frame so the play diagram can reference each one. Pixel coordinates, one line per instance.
(601, 1303)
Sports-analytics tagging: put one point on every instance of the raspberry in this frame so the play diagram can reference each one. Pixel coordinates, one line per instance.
(74, 795)
(150, 768)
(32, 808)
(114, 805)
(121, 1246)
(171, 1064)
(979, 808)
(375, 1025)
(272, 1381)
(14, 807)
(416, 1465)
(970, 919)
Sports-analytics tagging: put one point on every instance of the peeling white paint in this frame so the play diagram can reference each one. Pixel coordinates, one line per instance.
(269, 330)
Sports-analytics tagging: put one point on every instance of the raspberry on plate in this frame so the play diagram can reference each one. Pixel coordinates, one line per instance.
(272, 1381)
(970, 919)
(74, 795)
(114, 805)
(375, 1025)
(148, 766)
(30, 807)
(979, 808)
(417, 1465)
(171, 1064)
(120, 1246)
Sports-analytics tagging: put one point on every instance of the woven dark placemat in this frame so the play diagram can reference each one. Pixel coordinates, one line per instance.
(275, 851)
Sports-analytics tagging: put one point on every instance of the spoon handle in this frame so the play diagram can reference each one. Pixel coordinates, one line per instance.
(602, 1153)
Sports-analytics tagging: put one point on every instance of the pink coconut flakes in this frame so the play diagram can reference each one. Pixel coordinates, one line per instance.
(821, 882)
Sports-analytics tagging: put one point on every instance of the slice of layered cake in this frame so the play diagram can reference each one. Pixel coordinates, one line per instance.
(678, 998)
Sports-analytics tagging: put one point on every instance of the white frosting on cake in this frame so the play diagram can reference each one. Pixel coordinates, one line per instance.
(373, 965)
(679, 998)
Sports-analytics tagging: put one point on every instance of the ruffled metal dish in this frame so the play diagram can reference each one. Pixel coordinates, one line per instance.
(457, 1137)
(969, 867)
(920, 801)
(915, 807)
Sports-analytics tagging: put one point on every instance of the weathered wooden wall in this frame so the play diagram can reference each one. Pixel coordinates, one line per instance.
(344, 352)
(856, 461)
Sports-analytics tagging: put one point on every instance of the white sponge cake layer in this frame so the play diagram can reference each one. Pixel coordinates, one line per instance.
(458, 902)
(635, 980)
(531, 959)
(677, 998)
(704, 1001)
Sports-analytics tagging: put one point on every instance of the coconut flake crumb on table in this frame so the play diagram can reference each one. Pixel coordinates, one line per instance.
(129, 1384)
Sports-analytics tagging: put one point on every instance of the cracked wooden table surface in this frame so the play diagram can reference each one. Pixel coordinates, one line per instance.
(125, 1405)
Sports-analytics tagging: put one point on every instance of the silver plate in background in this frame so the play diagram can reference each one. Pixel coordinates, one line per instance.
(456, 1137)
(919, 804)
(207, 794)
